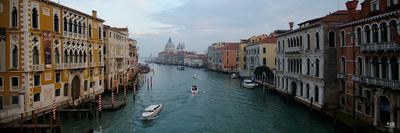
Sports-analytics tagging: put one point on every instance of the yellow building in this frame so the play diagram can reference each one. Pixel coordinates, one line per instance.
(47, 51)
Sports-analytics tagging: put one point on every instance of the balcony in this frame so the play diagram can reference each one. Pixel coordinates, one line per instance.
(341, 76)
(14, 88)
(102, 63)
(379, 82)
(297, 49)
(384, 46)
(59, 66)
(92, 64)
(37, 67)
(66, 65)
(356, 78)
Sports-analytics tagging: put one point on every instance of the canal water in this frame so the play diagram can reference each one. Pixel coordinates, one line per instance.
(222, 105)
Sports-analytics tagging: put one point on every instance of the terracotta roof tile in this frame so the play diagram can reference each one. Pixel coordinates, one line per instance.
(230, 46)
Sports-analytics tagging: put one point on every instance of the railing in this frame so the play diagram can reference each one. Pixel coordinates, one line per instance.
(386, 83)
(38, 67)
(66, 65)
(92, 64)
(59, 66)
(296, 49)
(379, 46)
(14, 88)
(1, 88)
(341, 75)
(356, 78)
(102, 63)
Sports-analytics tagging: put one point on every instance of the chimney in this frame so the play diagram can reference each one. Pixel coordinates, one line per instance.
(351, 7)
(94, 13)
(291, 25)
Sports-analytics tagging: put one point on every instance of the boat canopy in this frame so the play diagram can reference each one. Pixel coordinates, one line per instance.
(152, 107)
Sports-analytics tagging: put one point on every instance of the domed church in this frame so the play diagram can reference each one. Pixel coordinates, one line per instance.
(169, 47)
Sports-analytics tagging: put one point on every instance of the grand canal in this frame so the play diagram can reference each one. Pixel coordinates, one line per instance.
(222, 105)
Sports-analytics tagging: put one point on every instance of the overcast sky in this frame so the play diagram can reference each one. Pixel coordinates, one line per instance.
(199, 23)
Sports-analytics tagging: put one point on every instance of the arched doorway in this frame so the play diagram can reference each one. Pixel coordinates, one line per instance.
(76, 87)
(384, 109)
(294, 88)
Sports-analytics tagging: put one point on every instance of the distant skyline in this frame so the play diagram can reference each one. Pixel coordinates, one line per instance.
(200, 23)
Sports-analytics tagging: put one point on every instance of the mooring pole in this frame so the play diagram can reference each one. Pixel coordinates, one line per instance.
(51, 124)
(311, 102)
(35, 123)
(22, 121)
(67, 110)
(99, 106)
(44, 118)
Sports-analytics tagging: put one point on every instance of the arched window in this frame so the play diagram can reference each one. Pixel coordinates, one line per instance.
(35, 19)
(308, 66)
(384, 65)
(375, 33)
(71, 57)
(394, 68)
(368, 71)
(367, 34)
(308, 42)
(84, 57)
(14, 18)
(70, 25)
(301, 88)
(331, 39)
(317, 68)
(279, 46)
(301, 40)
(289, 43)
(75, 27)
(83, 28)
(65, 56)
(317, 40)
(375, 67)
(90, 56)
(75, 57)
(56, 23)
(100, 57)
(80, 56)
(15, 57)
(90, 30)
(342, 38)
(283, 45)
(359, 66)
(56, 56)
(384, 32)
(316, 94)
(392, 26)
(283, 64)
(100, 33)
(65, 24)
(343, 65)
(297, 41)
(359, 36)
(79, 28)
(301, 66)
(307, 91)
(35, 56)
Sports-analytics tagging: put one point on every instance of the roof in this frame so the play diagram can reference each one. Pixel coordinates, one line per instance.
(230, 46)
(270, 39)
(130, 39)
(72, 10)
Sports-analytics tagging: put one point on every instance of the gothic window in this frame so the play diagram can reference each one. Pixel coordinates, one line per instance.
(99, 32)
(368, 66)
(394, 66)
(84, 57)
(317, 40)
(343, 65)
(35, 56)
(56, 23)
(75, 27)
(83, 28)
(384, 32)
(331, 39)
(358, 36)
(65, 56)
(35, 19)
(80, 56)
(392, 26)
(308, 66)
(70, 25)
(316, 94)
(307, 91)
(283, 45)
(308, 42)
(14, 17)
(65, 24)
(375, 33)
(76, 57)
(384, 68)
(70, 57)
(90, 30)
(15, 57)
(359, 66)
(375, 67)
(367, 34)
(342, 38)
(99, 56)
(317, 68)
(57, 56)
(79, 28)
(301, 40)
(90, 56)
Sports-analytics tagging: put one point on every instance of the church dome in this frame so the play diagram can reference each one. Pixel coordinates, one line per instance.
(169, 46)
(179, 47)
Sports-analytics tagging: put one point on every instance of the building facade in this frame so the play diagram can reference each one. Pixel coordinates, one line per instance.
(228, 57)
(306, 66)
(368, 62)
(48, 51)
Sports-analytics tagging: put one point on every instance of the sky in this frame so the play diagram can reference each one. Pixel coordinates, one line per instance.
(200, 23)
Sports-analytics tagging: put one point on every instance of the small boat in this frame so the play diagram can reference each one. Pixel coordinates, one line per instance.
(195, 76)
(180, 68)
(248, 84)
(151, 111)
(233, 75)
(201, 69)
(194, 90)
(100, 130)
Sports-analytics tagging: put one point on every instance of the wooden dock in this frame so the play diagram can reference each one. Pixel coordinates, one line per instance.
(108, 105)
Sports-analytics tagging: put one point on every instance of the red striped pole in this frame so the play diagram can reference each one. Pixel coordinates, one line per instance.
(112, 98)
(147, 82)
(134, 91)
(99, 106)
(117, 88)
(125, 92)
(151, 80)
(54, 108)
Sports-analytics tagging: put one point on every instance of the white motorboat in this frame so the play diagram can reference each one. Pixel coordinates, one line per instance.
(151, 111)
(195, 76)
(233, 75)
(201, 69)
(194, 90)
(248, 83)
(180, 68)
